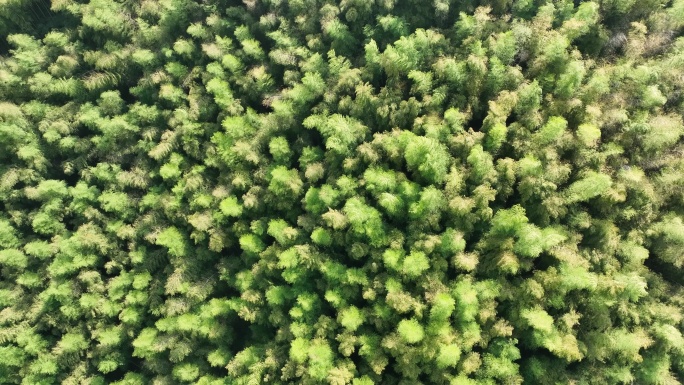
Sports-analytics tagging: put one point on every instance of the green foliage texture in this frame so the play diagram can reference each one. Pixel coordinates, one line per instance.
(341, 192)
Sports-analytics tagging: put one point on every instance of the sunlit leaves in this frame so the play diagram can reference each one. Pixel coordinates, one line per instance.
(173, 240)
(13, 258)
(481, 163)
(427, 158)
(352, 193)
(321, 236)
(8, 235)
(351, 318)
(588, 134)
(231, 207)
(280, 149)
(341, 133)
(186, 372)
(285, 182)
(410, 331)
(364, 219)
(592, 185)
(552, 131)
(415, 264)
(443, 306)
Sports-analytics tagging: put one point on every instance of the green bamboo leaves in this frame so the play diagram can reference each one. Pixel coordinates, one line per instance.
(411, 331)
(427, 158)
(355, 192)
(592, 185)
(341, 133)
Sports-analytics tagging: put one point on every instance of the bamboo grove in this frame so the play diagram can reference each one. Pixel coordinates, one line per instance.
(355, 192)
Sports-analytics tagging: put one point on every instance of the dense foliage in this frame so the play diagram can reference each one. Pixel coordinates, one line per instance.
(355, 192)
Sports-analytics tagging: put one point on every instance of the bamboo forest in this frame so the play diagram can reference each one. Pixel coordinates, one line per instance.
(362, 192)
